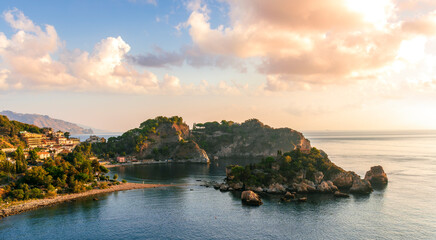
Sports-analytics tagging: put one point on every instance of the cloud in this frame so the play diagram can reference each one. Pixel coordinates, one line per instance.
(28, 58)
(35, 58)
(159, 58)
(424, 25)
(152, 2)
(190, 55)
(312, 42)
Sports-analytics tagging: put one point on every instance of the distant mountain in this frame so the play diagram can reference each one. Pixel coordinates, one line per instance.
(46, 121)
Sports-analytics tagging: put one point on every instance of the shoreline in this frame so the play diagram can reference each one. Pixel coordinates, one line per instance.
(109, 165)
(33, 204)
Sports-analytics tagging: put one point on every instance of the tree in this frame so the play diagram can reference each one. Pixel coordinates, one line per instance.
(33, 156)
(67, 135)
(38, 176)
(20, 163)
(2, 155)
(115, 176)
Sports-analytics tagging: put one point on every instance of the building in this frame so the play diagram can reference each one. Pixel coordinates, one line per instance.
(75, 141)
(9, 150)
(121, 159)
(61, 140)
(43, 155)
(58, 134)
(48, 143)
(32, 139)
(95, 139)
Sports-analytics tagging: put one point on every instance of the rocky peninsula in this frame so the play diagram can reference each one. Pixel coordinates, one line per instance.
(160, 139)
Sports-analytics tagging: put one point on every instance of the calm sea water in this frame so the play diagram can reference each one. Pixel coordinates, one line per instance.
(83, 137)
(404, 210)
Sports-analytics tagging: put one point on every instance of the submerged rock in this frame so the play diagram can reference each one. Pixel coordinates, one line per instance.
(217, 186)
(288, 197)
(341, 194)
(224, 187)
(377, 177)
(251, 198)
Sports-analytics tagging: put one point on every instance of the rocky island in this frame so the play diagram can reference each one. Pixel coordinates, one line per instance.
(296, 173)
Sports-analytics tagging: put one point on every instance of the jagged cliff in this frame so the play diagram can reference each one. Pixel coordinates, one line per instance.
(46, 121)
(161, 138)
(251, 138)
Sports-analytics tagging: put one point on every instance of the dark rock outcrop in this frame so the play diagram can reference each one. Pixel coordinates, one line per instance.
(288, 197)
(339, 194)
(377, 177)
(251, 198)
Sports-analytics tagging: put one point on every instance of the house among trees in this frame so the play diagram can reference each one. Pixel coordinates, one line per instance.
(121, 159)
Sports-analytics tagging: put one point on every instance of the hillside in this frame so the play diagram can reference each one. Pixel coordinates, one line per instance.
(9, 132)
(46, 121)
(251, 138)
(161, 138)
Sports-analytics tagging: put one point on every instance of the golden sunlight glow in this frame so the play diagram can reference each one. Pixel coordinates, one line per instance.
(376, 12)
(412, 50)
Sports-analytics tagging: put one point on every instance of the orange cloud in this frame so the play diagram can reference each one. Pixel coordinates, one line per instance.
(313, 41)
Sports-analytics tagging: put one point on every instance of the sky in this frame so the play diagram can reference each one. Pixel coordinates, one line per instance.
(307, 65)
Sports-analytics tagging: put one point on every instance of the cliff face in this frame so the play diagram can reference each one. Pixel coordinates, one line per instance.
(161, 138)
(170, 142)
(251, 138)
(46, 121)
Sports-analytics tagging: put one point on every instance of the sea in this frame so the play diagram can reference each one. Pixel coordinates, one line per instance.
(405, 209)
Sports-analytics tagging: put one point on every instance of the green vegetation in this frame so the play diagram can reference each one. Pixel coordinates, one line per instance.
(9, 132)
(132, 141)
(71, 173)
(202, 131)
(284, 168)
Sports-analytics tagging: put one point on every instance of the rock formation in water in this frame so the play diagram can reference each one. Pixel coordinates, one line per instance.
(377, 177)
(251, 198)
(302, 173)
(250, 138)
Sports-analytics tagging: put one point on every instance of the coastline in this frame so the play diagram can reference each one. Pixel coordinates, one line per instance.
(34, 204)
